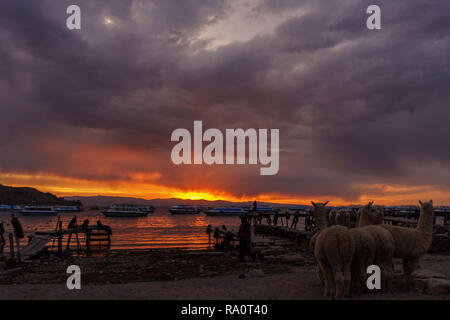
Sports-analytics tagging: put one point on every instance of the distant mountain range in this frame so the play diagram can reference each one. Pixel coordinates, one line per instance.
(106, 201)
(31, 196)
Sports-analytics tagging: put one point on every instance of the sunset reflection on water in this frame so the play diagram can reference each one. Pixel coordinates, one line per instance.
(158, 230)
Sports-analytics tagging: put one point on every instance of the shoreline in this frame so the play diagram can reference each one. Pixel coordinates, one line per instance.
(173, 274)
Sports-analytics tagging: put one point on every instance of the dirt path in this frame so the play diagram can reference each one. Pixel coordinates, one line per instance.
(300, 283)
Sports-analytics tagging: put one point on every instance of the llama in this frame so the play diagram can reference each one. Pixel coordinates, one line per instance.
(372, 215)
(364, 256)
(384, 241)
(320, 215)
(342, 218)
(332, 217)
(412, 243)
(334, 249)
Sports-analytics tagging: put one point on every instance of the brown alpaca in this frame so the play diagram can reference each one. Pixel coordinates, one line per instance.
(320, 216)
(332, 217)
(411, 244)
(334, 250)
(384, 242)
(342, 218)
(364, 256)
(372, 215)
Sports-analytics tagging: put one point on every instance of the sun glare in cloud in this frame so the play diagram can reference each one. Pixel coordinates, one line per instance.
(108, 21)
(243, 23)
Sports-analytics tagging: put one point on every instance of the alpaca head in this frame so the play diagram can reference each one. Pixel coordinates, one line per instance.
(332, 217)
(320, 214)
(368, 215)
(342, 218)
(319, 207)
(380, 214)
(426, 206)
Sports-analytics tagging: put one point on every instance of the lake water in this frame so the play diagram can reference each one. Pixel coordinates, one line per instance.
(158, 230)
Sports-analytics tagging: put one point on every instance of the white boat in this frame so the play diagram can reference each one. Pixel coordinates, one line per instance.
(7, 207)
(203, 208)
(147, 209)
(68, 209)
(38, 211)
(124, 211)
(226, 212)
(184, 209)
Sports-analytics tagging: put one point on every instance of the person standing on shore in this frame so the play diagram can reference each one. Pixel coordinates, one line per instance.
(245, 239)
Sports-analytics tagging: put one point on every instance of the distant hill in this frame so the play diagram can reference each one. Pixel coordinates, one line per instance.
(106, 201)
(31, 196)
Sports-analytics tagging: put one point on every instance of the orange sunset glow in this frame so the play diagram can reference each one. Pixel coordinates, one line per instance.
(383, 194)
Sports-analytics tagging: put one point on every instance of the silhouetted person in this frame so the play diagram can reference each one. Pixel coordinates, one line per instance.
(254, 207)
(245, 239)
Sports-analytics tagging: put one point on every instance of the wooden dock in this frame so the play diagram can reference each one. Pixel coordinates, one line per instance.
(400, 221)
(97, 234)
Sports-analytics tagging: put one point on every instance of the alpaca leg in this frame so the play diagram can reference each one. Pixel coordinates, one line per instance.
(387, 274)
(320, 275)
(339, 281)
(357, 277)
(329, 288)
(347, 280)
(409, 266)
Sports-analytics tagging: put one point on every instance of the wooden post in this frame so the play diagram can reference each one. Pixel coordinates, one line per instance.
(60, 238)
(209, 240)
(68, 241)
(88, 243)
(18, 249)
(11, 245)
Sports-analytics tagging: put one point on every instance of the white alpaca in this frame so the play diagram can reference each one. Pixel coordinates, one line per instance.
(411, 244)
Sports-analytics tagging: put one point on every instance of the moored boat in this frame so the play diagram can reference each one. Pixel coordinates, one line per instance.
(124, 211)
(38, 211)
(7, 207)
(68, 209)
(226, 212)
(147, 209)
(184, 209)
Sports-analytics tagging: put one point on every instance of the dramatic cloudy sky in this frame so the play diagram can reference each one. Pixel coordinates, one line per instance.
(362, 114)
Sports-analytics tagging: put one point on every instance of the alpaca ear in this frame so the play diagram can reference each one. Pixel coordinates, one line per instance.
(325, 203)
(370, 203)
(421, 203)
(312, 202)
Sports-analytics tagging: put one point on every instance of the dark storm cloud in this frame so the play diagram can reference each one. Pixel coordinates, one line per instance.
(353, 106)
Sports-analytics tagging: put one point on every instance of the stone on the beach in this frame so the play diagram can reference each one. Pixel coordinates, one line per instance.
(254, 273)
(426, 274)
(438, 286)
(430, 282)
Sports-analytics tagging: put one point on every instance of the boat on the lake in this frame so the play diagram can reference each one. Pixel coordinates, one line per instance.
(69, 209)
(124, 211)
(147, 209)
(226, 212)
(7, 207)
(203, 208)
(184, 209)
(38, 211)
